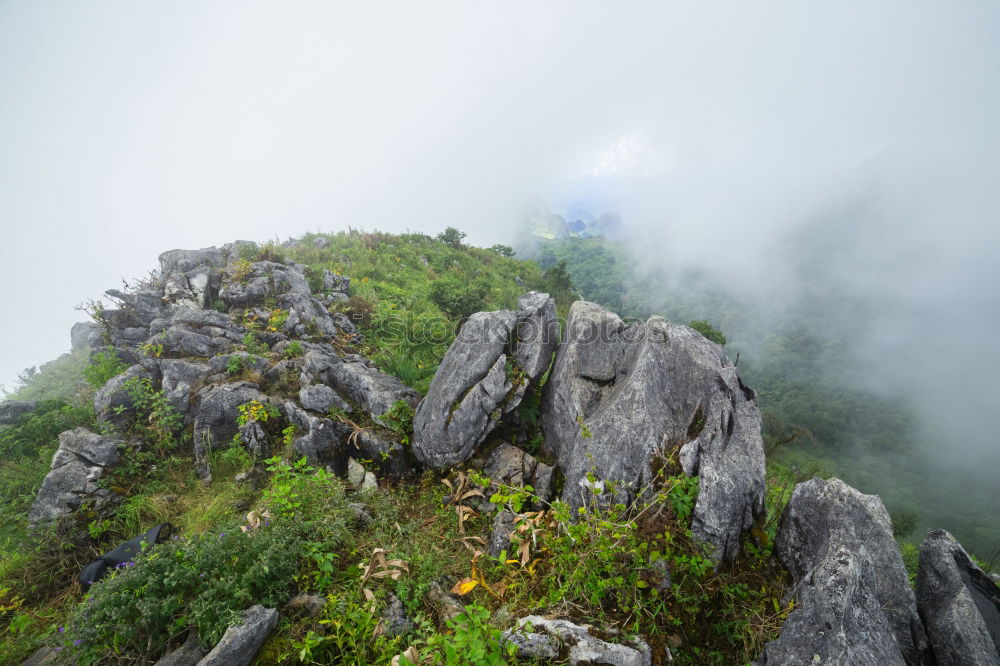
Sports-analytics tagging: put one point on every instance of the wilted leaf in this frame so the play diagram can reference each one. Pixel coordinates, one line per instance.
(464, 586)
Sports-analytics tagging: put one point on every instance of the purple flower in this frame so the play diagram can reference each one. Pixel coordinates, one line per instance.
(62, 629)
(77, 642)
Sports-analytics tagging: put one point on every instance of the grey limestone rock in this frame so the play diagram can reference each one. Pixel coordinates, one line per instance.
(320, 398)
(854, 602)
(472, 389)
(574, 642)
(503, 526)
(188, 654)
(621, 395)
(394, 619)
(80, 460)
(179, 379)
(333, 282)
(85, 335)
(215, 418)
(511, 466)
(357, 380)
(12, 410)
(322, 441)
(241, 642)
(959, 604)
(191, 278)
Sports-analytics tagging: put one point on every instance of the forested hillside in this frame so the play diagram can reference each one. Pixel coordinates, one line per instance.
(800, 358)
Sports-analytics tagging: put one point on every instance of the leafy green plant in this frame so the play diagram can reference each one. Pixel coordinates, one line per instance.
(399, 418)
(104, 365)
(236, 364)
(294, 349)
(152, 349)
(276, 320)
(472, 642)
(256, 412)
(157, 421)
(348, 634)
(254, 345)
(196, 584)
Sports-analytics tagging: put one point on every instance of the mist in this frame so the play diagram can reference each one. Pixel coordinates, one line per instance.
(739, 139)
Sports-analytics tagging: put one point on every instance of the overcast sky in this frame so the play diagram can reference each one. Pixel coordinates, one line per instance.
(130, 128)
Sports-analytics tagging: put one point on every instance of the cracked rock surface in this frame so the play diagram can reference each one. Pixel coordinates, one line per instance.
(78, 463)
(959, 604)
(496, 357)
(854, 601)
(621, 395)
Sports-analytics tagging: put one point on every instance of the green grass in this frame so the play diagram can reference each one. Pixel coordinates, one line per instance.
(410, 292)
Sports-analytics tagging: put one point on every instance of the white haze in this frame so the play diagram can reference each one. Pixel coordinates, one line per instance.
(128, 128)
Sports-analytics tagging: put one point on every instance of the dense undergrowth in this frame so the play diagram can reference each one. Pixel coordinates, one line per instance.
(628, 570)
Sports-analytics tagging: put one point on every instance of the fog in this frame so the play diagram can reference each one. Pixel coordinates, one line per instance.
(721, 132)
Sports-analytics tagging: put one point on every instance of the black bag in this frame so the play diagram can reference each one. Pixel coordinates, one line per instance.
(124, 553)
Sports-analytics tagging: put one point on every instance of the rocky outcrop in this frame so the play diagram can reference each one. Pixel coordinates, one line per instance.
(959, 604)
(854, 604)
(79, 462)
(496, 357)
(12, 411)
(241, 642)
(191, 277)
(549, 639)
(621, 396)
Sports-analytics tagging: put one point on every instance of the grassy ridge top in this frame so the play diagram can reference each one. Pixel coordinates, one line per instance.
(411, 291)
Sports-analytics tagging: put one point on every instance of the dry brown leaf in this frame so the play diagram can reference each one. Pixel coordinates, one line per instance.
(411, 654)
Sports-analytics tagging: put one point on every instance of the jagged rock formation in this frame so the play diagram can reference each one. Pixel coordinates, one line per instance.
(79, 462)
(959, 604)
(185, 331)
(622, 396)
(474, 388)
(854, 602)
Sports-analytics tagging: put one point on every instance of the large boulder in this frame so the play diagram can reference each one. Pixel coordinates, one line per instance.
(959, 604)
(241, 642)
(496, 357)
(854, 601)
(621, 396)
(79, 462)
